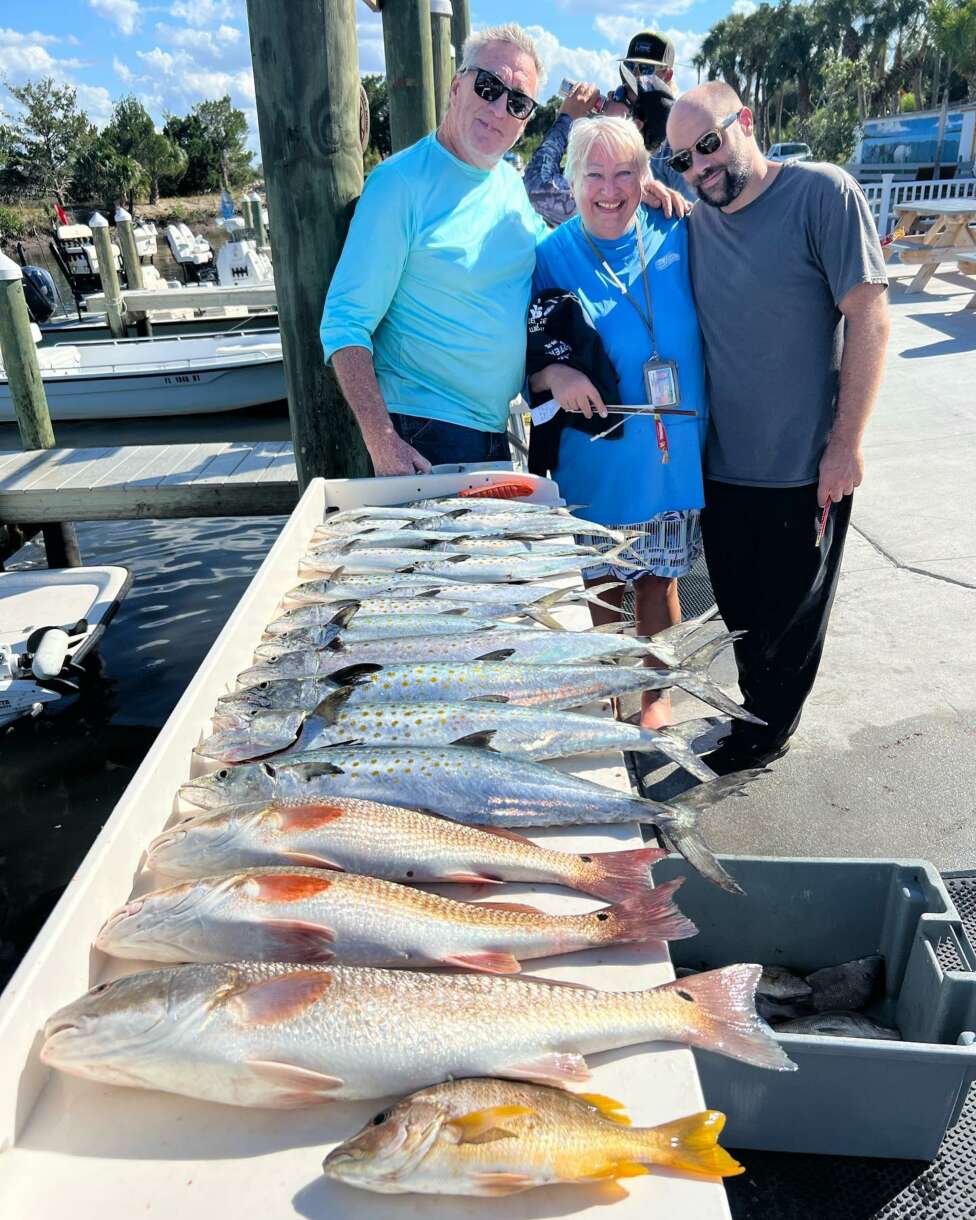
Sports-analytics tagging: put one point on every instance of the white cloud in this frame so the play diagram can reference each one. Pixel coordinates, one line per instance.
(22, 62)
(96, 101)
(619, 30)
(229, 34)
(203, 12)
(744, 7)
(205, 41)
(369, 34)
(158, 60)
(124, 13)
(122, 71)
(14, 38)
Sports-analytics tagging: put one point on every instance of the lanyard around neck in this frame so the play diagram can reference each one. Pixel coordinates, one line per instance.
(648, 318)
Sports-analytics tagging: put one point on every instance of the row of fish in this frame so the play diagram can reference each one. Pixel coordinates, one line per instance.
(391, 733)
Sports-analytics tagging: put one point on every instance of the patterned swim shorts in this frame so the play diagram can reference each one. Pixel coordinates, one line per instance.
(668, 545)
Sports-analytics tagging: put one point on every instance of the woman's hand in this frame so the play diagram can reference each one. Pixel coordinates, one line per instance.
(572, 389)
(656, 195)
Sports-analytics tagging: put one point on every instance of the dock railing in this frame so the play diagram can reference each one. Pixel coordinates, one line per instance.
(885, 195)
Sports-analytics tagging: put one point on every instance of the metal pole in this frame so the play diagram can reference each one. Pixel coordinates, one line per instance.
(306, 81)
(409, 70)
(440, 35)
(460, 26)
(27, 392)
(109, 276)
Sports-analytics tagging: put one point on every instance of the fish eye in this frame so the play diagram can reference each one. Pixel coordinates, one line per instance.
(381, 1118)
(223, 773)
(587, 859)
(263, 685)
(100, 988)
(602, 915)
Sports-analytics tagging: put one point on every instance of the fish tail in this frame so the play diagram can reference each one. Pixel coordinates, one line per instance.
(541, 615)
(671, 746)
(615, 556)
(683, 835)
(616, 875)
(648, 916)
(716, 1011)
(690, 1144)
(690, 678)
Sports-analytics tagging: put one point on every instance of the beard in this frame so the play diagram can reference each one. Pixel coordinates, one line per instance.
(730, 184)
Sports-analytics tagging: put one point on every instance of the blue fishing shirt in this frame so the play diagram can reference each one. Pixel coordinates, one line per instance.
(623, 481)
(434, 279)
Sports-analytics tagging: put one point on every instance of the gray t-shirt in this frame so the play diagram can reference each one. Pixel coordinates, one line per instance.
(767, 281)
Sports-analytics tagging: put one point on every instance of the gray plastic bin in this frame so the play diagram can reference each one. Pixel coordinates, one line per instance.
(850, 1097)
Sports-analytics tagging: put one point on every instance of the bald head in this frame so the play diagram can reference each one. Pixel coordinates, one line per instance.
(720, 174)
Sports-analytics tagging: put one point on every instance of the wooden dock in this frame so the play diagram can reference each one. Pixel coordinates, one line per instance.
(223, 479)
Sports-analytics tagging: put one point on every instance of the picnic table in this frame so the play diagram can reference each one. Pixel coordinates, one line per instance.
(951, 237)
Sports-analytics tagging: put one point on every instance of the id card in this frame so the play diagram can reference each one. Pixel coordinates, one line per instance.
(661, 383)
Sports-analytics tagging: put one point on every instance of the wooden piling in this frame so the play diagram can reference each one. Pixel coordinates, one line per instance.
(440, 36)
(460, 27)
(409, 70)
(257, 216)
(133, 267)
(109, 276)
(306, 79)
(246, 213)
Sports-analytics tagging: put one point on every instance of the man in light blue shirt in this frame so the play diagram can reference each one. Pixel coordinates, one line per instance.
(424, 321)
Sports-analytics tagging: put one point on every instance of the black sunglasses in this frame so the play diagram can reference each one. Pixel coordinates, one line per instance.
(681, 161)
(490, 88)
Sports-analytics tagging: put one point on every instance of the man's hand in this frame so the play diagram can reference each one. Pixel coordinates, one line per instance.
(580, 100)
(573, 390)
(656, 195)
(392, 455)
(841, 470)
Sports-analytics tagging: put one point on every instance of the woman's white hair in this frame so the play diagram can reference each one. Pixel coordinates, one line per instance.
(619, 137)
(510, 33)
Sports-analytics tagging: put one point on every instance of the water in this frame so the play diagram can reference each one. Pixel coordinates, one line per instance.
(62, 774)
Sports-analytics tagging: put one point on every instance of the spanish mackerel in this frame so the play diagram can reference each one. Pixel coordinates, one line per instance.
(461, 567)
(270, 1034)
(468, 784)
(386, 841)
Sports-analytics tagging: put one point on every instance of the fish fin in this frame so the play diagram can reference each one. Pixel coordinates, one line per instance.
(703, 796)
(474, 1126)
(480, 741)
(500, 654)
(619, 874)
(687, 731)
(695, 683)
(487, 699)
(335, 645)
(702, 655)
(499, 1183)
(599, 1170)
(306, 817)
(488, 963)
(541, 615)
(555, 598)
(521, 907)
(683, 836)
(558, 1068)
(470, 879)
(304, 859)
(329, 708)
(609, 1107)
(718, 1013)
(609, 628)
(281, 998)
(691, 1144)
(458, 612)
(537, 978)
(309, 770)
(295, 940)
(648, 916)
(297, 1086)
(284, 887)
(344, 614)
(354, 675)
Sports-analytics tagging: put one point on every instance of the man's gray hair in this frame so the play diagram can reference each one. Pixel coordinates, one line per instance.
(510, 33)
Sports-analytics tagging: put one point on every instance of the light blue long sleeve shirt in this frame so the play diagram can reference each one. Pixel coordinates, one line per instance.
(434, 279)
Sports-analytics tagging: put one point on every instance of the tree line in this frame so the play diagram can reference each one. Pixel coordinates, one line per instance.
(50, 150)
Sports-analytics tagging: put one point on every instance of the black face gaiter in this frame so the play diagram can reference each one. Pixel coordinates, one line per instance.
(652, 107)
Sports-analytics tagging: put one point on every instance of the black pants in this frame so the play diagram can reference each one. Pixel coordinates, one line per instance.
(772, 582)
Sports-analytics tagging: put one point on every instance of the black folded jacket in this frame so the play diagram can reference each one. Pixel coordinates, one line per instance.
(559, 332)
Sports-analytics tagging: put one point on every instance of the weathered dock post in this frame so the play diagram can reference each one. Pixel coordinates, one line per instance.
(130, 261)
(409, 70)
(27, 392)
(257, 216)
(460, 27)
(246, 212)
(306, 80)
(440, 35)
(109, 276)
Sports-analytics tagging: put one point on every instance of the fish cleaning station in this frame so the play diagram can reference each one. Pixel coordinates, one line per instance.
(408, 908)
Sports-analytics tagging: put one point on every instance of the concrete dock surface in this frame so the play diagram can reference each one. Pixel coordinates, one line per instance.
(884, 761)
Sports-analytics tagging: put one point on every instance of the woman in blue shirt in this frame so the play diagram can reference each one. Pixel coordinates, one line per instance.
(648, 482)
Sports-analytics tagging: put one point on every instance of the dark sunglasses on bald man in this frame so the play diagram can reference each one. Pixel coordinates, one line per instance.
(490, 88)
(710, 142)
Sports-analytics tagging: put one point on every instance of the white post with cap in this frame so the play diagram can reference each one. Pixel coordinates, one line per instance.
(127, 244)
(109, 276)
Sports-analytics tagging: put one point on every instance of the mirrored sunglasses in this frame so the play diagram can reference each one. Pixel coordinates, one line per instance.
(710, 142)
(490, 88)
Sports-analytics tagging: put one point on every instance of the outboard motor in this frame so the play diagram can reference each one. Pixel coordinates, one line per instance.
(42, 297)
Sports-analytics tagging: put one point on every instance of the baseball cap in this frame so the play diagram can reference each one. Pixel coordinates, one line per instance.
(649, 48)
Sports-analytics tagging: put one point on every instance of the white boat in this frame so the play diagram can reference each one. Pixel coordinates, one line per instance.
(139, 378)
(49, 620)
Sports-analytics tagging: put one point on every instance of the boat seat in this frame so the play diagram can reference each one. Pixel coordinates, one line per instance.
(61, 356)
(185, 247)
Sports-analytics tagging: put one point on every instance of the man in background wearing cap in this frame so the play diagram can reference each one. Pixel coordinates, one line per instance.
(644, 95)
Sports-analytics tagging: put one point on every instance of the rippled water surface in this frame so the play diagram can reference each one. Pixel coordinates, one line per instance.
(61, 775)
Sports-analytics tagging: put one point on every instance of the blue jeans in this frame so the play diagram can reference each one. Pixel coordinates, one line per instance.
(441, 443)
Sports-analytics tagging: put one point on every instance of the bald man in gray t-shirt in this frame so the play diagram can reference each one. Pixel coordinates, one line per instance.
(790, 286)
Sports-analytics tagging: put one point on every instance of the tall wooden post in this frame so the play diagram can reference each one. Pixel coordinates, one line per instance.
(29, 400)
(460, 26)
(257, 218)
(130, 260)
(440, 36)
(109, 276)
(306, 80)
(409, 70)
(246, 212)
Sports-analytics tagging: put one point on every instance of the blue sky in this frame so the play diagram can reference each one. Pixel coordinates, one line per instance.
(174, 53)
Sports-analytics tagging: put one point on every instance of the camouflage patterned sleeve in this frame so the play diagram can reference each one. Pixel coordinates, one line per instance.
(547, 189)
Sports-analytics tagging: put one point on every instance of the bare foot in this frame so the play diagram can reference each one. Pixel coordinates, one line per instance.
(655, 711)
